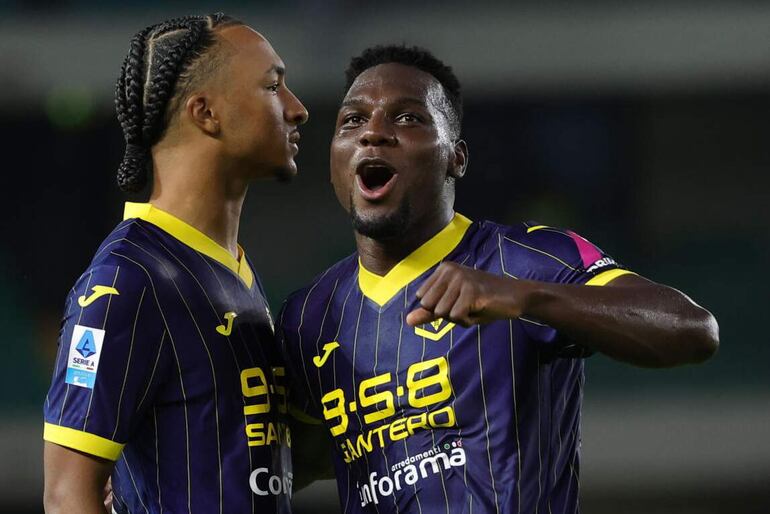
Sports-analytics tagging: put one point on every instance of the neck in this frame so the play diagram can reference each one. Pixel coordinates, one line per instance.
(191, 185)
(380, 256)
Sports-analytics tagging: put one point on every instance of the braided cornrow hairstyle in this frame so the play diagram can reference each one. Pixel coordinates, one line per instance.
(164, 62)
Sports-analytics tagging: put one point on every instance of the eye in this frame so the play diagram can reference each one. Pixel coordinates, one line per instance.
(274, 87)
(353, 119)
(408, 117)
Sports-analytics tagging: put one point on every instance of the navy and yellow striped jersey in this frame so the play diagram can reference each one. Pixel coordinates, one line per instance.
(440, 418)
(167, 364)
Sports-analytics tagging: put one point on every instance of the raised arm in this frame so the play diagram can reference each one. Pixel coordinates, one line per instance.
(631, 319)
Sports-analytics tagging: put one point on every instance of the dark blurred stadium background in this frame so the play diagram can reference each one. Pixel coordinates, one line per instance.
(642, 125)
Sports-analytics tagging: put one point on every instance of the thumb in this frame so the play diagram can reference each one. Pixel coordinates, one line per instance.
(419, 316)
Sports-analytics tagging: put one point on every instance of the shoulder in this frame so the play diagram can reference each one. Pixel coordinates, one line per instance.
(316, 295)
(126, 261)
(537, 251)
(113, 293)
(134, 247)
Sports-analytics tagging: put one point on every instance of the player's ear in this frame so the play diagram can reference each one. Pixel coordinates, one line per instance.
(201, 112)
(459, 161)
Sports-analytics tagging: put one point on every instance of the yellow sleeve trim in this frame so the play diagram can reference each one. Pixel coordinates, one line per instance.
(82, 441)
(302, 417)
(605, 277)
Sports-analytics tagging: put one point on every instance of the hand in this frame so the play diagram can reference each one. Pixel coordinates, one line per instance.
(108, 495)
(467, 297)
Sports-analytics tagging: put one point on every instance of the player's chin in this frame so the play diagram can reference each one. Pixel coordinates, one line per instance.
(381, 220)
(285, 172)
(374, 209)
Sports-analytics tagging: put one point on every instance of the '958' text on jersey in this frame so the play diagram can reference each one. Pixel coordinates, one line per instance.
(440, 418)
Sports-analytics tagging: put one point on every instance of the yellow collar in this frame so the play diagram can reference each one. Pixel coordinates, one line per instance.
(192, 237)
(382, 289)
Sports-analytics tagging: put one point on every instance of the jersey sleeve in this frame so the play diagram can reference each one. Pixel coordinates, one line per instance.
(561, 256)
(301, 404)
(110, 357)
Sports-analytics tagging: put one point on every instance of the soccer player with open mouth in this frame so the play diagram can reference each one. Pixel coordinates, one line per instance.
(444, 358)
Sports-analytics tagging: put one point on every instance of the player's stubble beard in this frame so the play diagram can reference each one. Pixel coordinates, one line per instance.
(385, 227)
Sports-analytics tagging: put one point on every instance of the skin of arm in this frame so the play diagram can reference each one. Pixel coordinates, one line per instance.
(631, 319)
(74, 481)
(311, 449)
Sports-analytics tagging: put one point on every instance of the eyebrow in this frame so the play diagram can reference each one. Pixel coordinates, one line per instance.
(358, 100)
(280, 70)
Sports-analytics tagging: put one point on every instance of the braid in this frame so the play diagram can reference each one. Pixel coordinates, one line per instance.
(132, 172)
(157, 60)
(167, 70)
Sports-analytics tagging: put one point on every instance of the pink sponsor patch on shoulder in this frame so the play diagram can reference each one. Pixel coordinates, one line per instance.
(588, 252)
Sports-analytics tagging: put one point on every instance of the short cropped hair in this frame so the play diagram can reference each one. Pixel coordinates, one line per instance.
(419, 58)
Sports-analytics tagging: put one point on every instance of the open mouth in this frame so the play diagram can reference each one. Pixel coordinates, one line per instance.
(374, 175)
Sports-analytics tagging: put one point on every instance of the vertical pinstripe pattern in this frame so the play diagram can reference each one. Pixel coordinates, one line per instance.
(323, 323)
(157, 460)
(486, 417)
(226, 293)
(337, 333)
(152, 374)
(398, 367)
(104, 324)
(133, 482)
(515, 417)
(169, 386)
(299, 334)
(454, 404)
(513, 397)
(117, 499)
(128, 363)
(433, 436)
(374, 373)
(539, 443)
(355, 384)
(186, 426)
(179, 374)
(334, 374)
(195, 323)
(67, 386)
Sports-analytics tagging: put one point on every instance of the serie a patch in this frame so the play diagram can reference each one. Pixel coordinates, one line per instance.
(83, 358)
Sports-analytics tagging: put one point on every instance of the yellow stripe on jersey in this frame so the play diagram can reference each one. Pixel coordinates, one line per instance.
(192, 237)
(382, 289)
(82, 441)
(606, 277)
(536, 227)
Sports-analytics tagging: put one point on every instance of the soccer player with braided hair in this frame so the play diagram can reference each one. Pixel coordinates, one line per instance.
(166, 379)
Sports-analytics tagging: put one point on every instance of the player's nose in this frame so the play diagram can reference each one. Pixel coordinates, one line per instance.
(295, 111)
(377, 132)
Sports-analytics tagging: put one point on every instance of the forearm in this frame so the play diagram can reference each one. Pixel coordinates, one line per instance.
(645, 324)
(630, 319)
